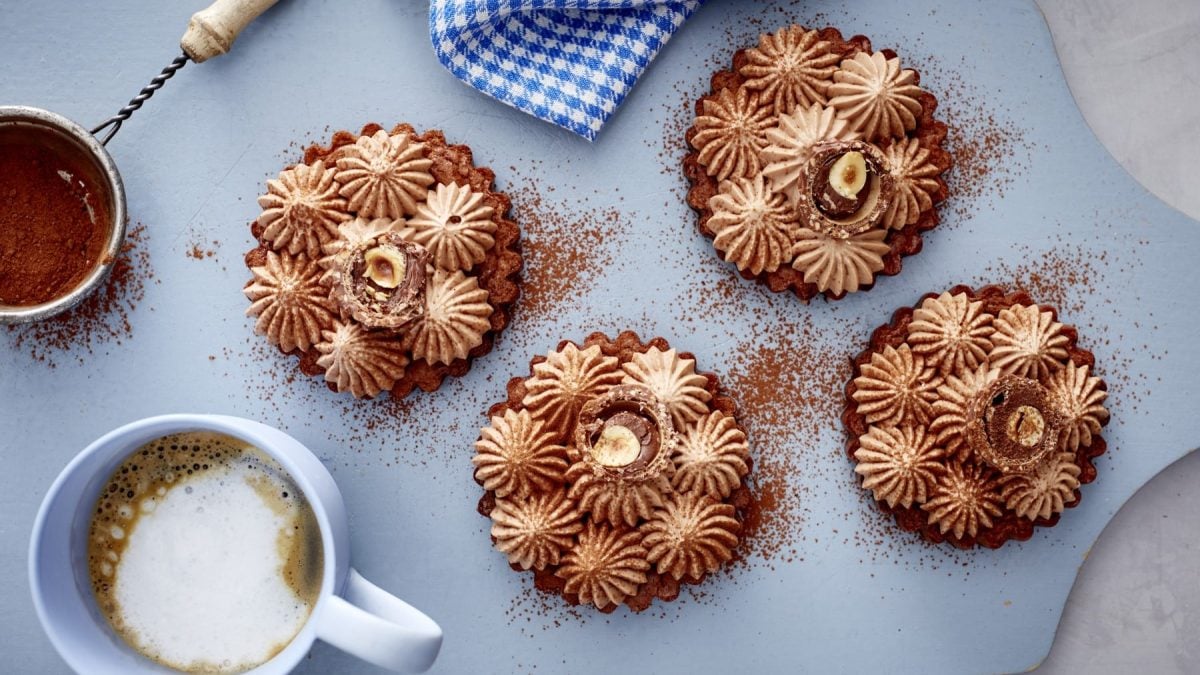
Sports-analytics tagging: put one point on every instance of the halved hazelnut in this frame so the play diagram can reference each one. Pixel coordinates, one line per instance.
(1013, 424)
(381, 282)
(845, 188)
(627, 432)
(1026, 426)
(848, 175)
(385, 266)
(617, 446)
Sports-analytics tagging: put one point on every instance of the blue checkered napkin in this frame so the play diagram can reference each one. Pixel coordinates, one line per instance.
(569, 62)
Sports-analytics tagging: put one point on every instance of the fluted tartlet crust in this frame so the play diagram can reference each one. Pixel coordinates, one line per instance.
(1005, 442)
(760, 121)
(655, 476)
(345, 205)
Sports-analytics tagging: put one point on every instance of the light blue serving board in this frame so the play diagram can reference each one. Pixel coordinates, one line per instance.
(857, 595)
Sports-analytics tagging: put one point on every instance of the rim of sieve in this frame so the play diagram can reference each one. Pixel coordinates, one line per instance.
(91, 149)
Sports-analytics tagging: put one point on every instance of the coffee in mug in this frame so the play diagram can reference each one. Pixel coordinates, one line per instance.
(203, 554)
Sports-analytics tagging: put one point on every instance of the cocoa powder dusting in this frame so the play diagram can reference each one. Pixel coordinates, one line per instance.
(990, 147)
(203, 251)
(55, 223)
(103, 318)
(790, 395)
(1071, 276)
(407, 432)
(564, 247)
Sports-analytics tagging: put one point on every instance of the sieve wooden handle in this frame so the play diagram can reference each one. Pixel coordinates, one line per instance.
(211, 31)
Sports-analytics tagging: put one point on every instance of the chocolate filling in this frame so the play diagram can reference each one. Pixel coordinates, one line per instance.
(830, 201)
(822, 209)
(377, 305)
(626, 432)
(628, 415)
(1015, 424)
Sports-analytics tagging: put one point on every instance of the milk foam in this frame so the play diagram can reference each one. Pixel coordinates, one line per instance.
(216, 569)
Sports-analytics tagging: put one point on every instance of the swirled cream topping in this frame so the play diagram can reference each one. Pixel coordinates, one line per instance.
(302, 209)
(1081, 400)
(876, 96)
(917, 181)
(455, 225)
(951, 332)
(384, 176)
(899, 465)
(753, 227)
(896, 387)
(567, 379)
(1044, 491)
(534, 532)
(360, 361)
(457, 315)
(1028, 342)
(291, 304)
(606, 565)
(964, 501)
(951, 410)
(791, 67)
(516, 456)
(616, 501)
(731, 134)
(790, 145)
(674, 380)
(839, 265)
(690, 536)
(712, 457)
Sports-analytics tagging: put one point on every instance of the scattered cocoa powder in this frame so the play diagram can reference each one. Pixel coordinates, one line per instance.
(103, 318)
(789, 392)
(1072, 276)
(990, 147)
(565, 249)
(395, 432)
(201, 251)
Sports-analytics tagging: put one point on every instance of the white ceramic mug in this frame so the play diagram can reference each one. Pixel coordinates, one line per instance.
(351, 613)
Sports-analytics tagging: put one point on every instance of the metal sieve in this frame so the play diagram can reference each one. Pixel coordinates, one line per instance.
(210, 32)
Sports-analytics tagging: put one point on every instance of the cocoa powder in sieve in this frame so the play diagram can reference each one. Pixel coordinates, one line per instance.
(54, 222)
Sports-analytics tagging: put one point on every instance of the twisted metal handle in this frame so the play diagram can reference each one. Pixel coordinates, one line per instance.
(137, 101)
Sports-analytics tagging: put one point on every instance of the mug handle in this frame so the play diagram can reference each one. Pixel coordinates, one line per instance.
(380, 628)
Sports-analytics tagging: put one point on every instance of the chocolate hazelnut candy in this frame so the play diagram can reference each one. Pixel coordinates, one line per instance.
(845, 188)
(381, 282)
(1013, 424)
(627, 431)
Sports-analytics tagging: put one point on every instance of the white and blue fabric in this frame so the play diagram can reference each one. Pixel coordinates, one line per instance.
(569, 62)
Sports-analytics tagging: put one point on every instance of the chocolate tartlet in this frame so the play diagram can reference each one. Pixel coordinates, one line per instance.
(385, 261)
(815, 163)
(615, 473)
(974, 417)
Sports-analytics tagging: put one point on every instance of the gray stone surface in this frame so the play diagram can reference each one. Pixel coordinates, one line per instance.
(1132, 67)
